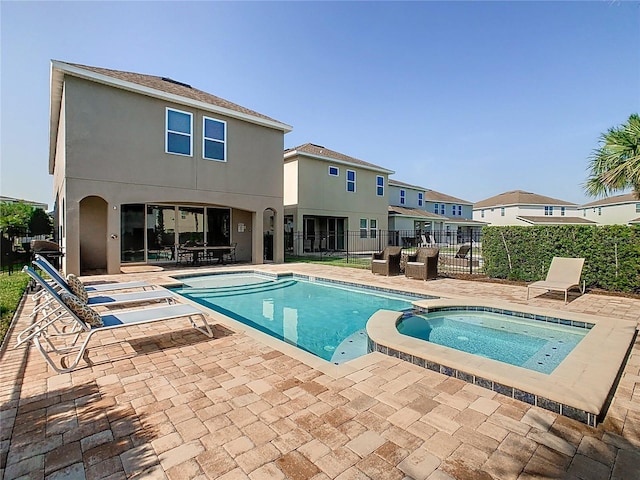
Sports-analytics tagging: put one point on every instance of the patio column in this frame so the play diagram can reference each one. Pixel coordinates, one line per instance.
(257, 242)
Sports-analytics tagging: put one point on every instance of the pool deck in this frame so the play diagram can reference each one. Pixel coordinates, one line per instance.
(163, 401)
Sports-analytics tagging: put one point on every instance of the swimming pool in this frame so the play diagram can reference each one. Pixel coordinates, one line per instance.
(535, 345)
(323, 317)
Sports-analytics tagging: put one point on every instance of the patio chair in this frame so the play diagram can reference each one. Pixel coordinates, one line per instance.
(86, 320)
(563, 275)
(463, 251)
(55, 275)
(423, 264)
(387, 262)
(230, 255)
(76, 287)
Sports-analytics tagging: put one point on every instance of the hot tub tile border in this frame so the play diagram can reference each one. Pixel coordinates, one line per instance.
(506, 390)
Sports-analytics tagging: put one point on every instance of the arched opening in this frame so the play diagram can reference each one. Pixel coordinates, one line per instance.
(93, 235)
(268, 233)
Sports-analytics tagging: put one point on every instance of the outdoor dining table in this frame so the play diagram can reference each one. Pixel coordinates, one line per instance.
(198, 251)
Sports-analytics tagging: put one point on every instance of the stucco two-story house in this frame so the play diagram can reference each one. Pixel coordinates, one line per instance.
(415, 211)
(518, 207)
(144, 163)
(327, 194)
(615, 210)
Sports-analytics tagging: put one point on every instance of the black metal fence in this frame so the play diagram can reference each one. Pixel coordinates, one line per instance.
(460, 252)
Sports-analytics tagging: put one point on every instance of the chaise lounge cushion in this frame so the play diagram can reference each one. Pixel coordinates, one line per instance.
(77, 288)
(82, 310)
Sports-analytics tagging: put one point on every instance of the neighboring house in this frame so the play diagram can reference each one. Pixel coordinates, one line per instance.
(326, 194)
(43, 206)
(616, 210)
(525, 208)
(143, 163)
(417, 211)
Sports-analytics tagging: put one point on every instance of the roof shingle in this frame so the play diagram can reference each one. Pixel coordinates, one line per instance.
(519, 197)
(320, 151)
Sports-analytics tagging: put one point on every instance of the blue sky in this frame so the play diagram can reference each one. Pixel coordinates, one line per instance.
(471, 99)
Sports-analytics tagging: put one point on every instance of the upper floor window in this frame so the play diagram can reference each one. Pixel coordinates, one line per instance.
(179, 132)
(373, 228)
(334, 171)
(456, 210)
(436, 208)
(502, 211)
(584, 212)
(402, 197)
(637, 207)
(442, 206)
(351, 181)
(214, 139)
(481, 213)
(599, 210)
(548, 210)
(380, 186)
(420, 199)
(562, 211)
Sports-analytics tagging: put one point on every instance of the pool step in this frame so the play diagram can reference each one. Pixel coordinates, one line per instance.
(354, 346)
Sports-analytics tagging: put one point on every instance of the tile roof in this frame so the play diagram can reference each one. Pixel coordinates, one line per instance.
(328, 154)
(551, 220)
(167, 85)
(429, 195)
(519, 197)
(617, 199)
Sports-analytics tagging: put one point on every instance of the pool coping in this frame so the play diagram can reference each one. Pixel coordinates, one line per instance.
(578, 388)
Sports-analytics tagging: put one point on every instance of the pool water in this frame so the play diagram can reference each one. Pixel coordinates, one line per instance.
(530, 344)
(326, 319)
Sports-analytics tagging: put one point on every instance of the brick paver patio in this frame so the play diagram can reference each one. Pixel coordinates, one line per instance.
(164, 401)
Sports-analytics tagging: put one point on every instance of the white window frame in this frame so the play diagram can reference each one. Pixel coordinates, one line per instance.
(436, 208)
(481, 213)
(355, 176)
(502, 211)
(373, 228)
(337, 169)
(364, 230)
(403, 197)
(562, 211)
(420, 199)
(167, 131)
(637, 207)
(548, 210)
(204, 139)
(379, 184)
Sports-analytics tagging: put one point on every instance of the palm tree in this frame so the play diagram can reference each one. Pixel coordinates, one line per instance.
(615, 165)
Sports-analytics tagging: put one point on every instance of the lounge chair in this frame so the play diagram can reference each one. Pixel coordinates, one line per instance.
(387, 262)
(423, 264)
(463, 251)
(86, 320)
(50, 270)
(104, 299)
(563, 275)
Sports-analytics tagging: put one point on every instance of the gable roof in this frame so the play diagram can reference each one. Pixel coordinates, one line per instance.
(615, 200)
(150, 85)
(429, 195)
(322, 153)
(519, 197)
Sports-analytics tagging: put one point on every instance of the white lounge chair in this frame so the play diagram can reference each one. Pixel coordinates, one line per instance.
(80, 318)
(101, 300)
(563, 275)
(50, 270)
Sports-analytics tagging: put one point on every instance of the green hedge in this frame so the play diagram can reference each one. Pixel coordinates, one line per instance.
(611, 252)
